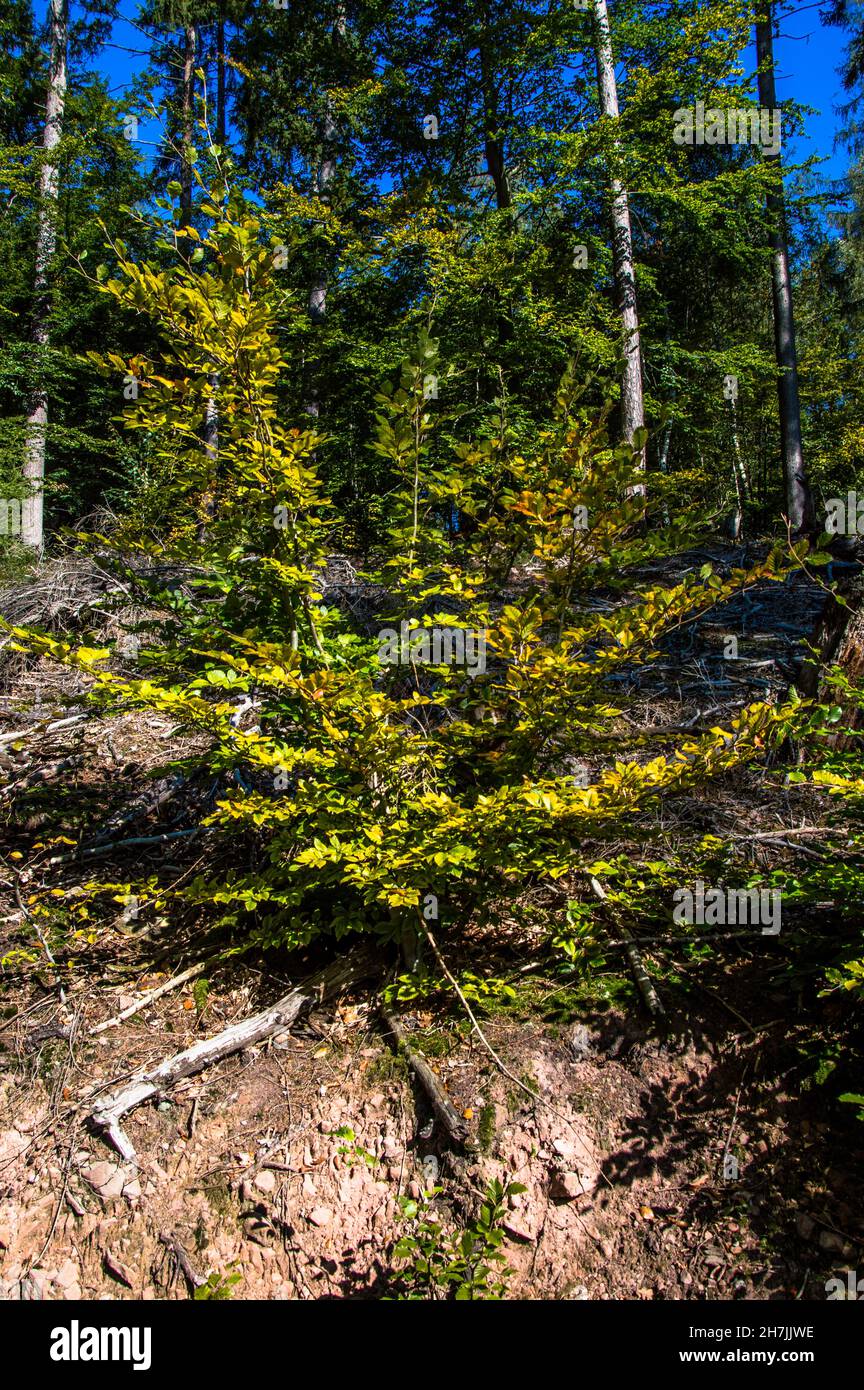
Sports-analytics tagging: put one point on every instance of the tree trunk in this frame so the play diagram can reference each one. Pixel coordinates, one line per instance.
(799, 504)
(324, 179)
(46, 240)
(220, 79)
(191, 38)
(632, 407)
(210, 440)
(493, 145)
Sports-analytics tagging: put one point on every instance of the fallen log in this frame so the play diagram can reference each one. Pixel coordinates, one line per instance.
(150, 1082)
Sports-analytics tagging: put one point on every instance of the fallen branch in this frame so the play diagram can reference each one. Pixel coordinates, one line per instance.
(149, 998)
(136, 841)
(44, 728)
(443, 1107)
(644, 983)
(154, 1081)
(195, 1281)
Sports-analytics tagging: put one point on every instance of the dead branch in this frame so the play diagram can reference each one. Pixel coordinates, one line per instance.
(150, 998)
(44, 728)
(441, 1104)
(644, 983)
(195, 1281)
(136, 842)
(154, 1081)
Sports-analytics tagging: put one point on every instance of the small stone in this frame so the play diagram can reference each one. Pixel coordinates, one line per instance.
(566, 1187)
(580, 1042)
(805, 1226)
(115, 1185)
(265, 1181)
(320, 1216)
(518, 1230)
(834, 1243)
(98, 1174)
(67, 1275)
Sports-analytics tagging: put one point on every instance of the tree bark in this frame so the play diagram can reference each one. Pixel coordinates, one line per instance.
(191, 44)
(324, 180)
(220, 79)
(799, 503)
(493, 145)
(46, 241)
(632, 405)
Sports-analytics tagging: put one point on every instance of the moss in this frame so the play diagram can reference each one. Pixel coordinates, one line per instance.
(562, 1002)
(486, 1128)
(219, 1197)
(434, 1043)
(387, 1066)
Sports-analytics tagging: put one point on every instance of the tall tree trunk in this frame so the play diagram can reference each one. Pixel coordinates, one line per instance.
(220, 79)
(324, 180)
(632, 407)
(493, 144)
(494, 151)
(190, 34)
(46, 240)
(799, 503)
(210, 428)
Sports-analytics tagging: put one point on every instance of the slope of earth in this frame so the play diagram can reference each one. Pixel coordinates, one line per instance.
(691, 1158)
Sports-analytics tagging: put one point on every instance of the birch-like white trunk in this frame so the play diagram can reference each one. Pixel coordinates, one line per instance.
(632, 407)
(46, 241)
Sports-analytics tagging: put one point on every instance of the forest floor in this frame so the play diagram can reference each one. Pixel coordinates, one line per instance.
(286, 1162)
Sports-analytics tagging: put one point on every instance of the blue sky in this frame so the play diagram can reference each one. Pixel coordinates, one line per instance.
(808, 54)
